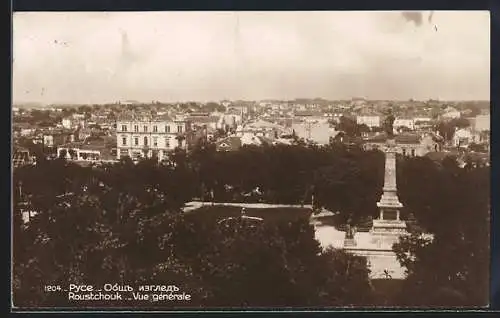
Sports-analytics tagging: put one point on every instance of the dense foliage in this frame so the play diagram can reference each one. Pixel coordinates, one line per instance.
(452, 268)
(123, 224)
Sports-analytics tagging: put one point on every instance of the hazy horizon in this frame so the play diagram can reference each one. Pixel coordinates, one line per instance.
(105, 57)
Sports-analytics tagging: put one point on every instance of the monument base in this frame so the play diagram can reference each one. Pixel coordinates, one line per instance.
(385, 233)
(349, 242)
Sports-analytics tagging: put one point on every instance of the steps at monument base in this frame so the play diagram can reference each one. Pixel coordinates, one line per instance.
(382, 263)
(349, 243)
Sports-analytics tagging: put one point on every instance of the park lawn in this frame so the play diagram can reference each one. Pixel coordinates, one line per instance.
(278, 214)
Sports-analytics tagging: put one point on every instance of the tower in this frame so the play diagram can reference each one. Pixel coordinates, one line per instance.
(388, 227)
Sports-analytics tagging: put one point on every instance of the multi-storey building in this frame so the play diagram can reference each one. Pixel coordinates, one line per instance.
(407, 122)
(368, 120)
(150, 136)
(407, 144)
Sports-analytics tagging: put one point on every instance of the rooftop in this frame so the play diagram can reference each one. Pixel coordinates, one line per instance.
(203, 119)
(144, 117)
(307, 113)
(403, 138)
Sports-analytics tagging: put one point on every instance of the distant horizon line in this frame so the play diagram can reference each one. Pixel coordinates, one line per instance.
(19, 103)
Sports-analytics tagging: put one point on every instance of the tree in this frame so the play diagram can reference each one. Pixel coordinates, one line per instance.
(213, 107)
(180, 139)
(90, 222)
(363, 128)
(348, 125)
(351, 185)
(446, 130)
(478, 147)
(460, 122)
(121, 223)
(269, 264)
(451, 268)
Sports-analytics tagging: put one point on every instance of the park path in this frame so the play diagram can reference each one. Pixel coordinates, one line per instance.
(194, 205)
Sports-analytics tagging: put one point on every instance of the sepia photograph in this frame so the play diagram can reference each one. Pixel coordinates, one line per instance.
(205, 160)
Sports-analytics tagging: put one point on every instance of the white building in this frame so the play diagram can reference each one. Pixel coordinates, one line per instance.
(139, 137)
(482, 123)
(370, 121)
(261, 128)
(78, 154)
(67, 123)
(319, 133)
(404, 122)
(422, 119)
(78, 116)
(463, 137)
(451, 113)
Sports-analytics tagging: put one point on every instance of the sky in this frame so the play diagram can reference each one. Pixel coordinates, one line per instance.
(99, 57)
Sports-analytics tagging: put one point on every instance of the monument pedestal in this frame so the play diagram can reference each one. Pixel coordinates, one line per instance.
(387, 232)
(349, 242)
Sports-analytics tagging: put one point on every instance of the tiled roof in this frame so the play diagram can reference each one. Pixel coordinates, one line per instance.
(233, 111)
(404, 138)
(76, 144)
(264, 124)
(377, 138)
(407, 138)
(203, 119)
(305, 113)
(143, 117)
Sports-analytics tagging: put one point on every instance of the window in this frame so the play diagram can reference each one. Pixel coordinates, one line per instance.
(167, 128)
(124, 127)
(155, 141)
(155, 128)
(167, 142)
(136, 141)
(123, 153)
(413, 152)
(179, 129)
(124, 141)
(136, 128)
(145, 128)
(404, 151)
(145, 141)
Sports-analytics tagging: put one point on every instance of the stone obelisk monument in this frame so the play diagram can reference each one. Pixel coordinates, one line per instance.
(388, 227)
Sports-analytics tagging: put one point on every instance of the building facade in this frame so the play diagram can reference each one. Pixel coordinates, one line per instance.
(482, 123)
(407, 144)
(147, 137)
(370, 121)
(404, 122)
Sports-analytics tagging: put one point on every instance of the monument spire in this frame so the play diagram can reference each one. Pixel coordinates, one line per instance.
(389, 199)
(387, 228)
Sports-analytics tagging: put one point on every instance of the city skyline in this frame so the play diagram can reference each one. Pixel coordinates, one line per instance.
(210, 56)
